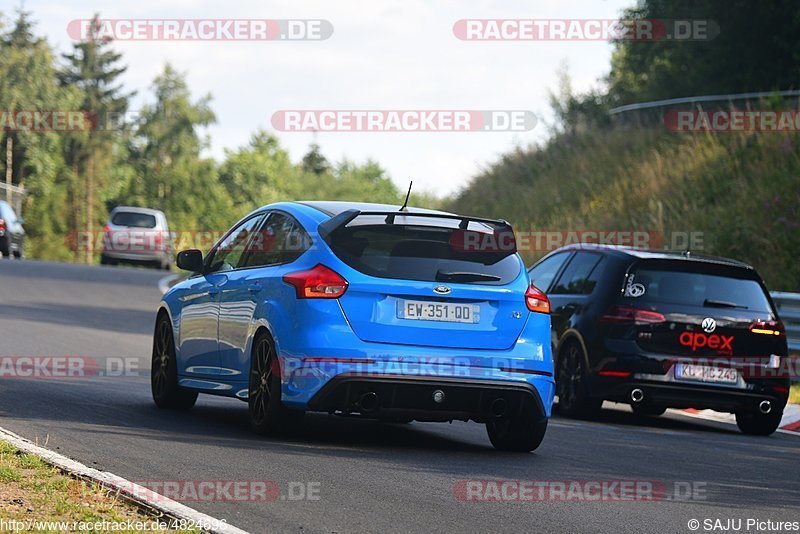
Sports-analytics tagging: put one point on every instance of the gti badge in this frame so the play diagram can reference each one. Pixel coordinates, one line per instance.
(442, 290)
(708, 325)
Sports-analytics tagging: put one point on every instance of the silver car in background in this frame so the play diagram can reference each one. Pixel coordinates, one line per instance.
(138, 236)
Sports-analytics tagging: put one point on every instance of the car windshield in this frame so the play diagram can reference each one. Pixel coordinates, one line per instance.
(429, 253)
(133, 219)
(696, 289)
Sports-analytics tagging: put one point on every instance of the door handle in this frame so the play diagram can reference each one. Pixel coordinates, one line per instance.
(255, 288)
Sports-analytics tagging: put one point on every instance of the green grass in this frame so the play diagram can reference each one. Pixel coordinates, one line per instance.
(34, 490)
(741, 191)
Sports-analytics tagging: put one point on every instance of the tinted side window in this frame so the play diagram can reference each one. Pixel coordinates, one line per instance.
(580, 276)
(542, 273)
(280, 240)
(230, 250)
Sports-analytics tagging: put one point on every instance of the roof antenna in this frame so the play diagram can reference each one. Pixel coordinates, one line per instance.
(405, 204)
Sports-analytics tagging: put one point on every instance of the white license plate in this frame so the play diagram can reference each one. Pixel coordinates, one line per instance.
(448, 312)
(706, 373)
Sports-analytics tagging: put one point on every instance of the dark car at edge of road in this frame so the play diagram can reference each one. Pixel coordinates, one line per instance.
(662, 330)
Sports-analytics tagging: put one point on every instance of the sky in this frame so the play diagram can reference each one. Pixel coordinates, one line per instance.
(382, 55)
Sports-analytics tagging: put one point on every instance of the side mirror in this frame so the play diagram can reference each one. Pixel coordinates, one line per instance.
(190, 260)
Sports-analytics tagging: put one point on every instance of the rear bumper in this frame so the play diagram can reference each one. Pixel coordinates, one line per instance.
(416, 397)
(698, 396)
(144, 256)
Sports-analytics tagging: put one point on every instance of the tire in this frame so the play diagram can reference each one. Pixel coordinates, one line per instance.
(573, 393)
(648, 410)
(517, 434)
(164, 371)
(104, 259)
(18, 252)
(267, 414)
(5, 247)
(758, 424)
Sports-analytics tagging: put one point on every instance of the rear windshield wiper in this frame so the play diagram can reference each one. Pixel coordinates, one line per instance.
(465, 277)
(711, 303)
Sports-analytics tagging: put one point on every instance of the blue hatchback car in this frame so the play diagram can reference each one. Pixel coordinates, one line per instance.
(361, 309)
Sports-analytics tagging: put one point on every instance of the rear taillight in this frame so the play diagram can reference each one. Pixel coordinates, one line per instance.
(536, 300)
(2, 225)
(625, 315)
(317, 283)
(106, 228)
(769, 328)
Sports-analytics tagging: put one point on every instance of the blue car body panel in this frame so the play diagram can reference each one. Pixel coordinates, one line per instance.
(215, 318)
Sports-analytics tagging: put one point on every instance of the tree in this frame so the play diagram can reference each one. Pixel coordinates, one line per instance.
(258, 173)
(756, 49)
(165, 151)
(93, 68)
(314, 161)
(34, 159)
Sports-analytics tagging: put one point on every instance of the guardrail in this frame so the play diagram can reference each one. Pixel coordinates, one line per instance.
(643, 113)
(788, 305)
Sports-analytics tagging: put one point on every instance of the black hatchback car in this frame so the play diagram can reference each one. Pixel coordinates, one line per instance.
(664, 330)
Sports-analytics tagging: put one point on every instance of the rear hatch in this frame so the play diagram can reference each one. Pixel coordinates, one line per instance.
(432, 280)
(706, 312)
(133, 232)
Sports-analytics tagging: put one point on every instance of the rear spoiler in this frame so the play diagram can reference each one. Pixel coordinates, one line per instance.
(344, 218)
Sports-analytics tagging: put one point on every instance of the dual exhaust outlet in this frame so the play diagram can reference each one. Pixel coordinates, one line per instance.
(637, 396)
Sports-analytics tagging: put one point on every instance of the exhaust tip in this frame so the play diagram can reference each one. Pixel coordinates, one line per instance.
(765, 407)
(368, 402)
(498, 407)
(637, 395)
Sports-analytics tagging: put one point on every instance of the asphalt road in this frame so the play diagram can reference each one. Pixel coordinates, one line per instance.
(371, 476)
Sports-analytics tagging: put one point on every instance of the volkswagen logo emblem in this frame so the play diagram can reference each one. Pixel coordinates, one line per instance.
(708, 325)
(442, 290)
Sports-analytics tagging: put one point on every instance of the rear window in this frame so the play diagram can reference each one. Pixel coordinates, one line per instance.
(422, 252)
(735, 289)
(133, 219)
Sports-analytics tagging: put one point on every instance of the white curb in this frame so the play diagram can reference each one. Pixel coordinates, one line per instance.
(790, 415)
(131, 491)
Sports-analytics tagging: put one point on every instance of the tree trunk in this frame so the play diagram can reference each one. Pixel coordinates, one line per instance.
(90, 211)
(9, 167)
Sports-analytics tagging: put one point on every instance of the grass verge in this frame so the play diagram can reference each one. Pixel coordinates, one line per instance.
(32, 490)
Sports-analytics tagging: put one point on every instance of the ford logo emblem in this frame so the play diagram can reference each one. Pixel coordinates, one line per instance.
(442, 290)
